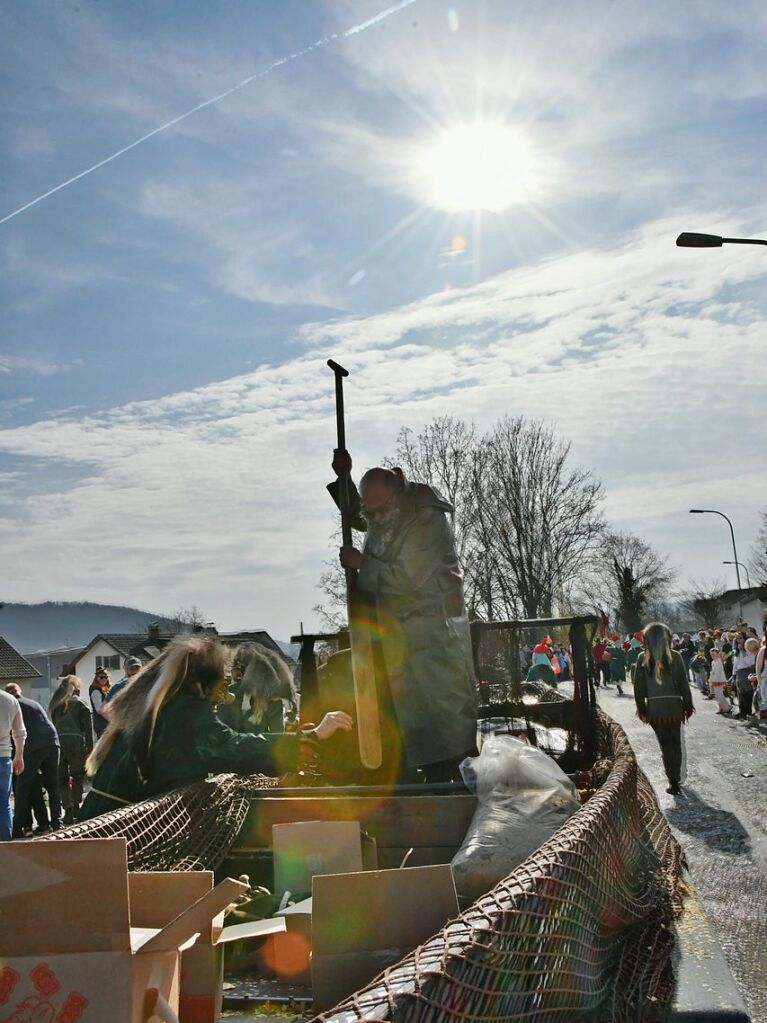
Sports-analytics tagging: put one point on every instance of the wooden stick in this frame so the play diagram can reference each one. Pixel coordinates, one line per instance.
(363, 669)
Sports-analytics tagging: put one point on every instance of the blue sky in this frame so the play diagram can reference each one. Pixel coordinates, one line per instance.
(166, 419)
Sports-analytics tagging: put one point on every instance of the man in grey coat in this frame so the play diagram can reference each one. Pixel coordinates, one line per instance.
(409, 569)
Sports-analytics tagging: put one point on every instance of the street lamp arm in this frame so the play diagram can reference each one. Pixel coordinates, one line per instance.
(713, 511)
(694, 240)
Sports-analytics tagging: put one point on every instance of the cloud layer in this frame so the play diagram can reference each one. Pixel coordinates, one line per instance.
(216, 496)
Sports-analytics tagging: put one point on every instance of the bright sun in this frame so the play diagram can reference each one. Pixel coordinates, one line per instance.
(480, 166)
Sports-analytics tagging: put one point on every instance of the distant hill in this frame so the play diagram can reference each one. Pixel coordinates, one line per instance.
(30, 627)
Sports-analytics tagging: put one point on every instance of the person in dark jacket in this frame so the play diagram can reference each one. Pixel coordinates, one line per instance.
(97, 695)
(164, 731)
(73, 723)
(41, 758)
(663, 699)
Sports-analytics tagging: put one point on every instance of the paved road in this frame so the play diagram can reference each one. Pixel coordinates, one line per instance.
(720, 820)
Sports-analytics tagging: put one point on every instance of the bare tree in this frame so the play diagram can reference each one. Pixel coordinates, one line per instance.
(331, 611)
(758, 561)
(536, 517)
(626, 576)
(524, 519)
(443, 454)
(705, 603)
(189, 619)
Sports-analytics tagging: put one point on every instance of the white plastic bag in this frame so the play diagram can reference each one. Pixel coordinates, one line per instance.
(524, 796)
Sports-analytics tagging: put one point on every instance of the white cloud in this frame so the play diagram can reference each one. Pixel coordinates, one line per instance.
(641, 356)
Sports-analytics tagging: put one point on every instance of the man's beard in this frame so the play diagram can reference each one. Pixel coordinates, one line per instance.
(380, 532)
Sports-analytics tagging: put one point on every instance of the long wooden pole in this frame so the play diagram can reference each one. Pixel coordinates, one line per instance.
(363, 669)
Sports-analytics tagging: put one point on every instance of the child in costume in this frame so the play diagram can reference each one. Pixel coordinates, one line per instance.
(541, 670)
(717, 680)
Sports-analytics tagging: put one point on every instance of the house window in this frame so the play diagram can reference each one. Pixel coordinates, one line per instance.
(111, 663)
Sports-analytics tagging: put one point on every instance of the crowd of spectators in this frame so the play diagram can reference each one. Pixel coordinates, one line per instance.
(728, 665)
(47, 751)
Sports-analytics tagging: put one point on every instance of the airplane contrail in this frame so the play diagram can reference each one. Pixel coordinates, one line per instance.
(353, 31)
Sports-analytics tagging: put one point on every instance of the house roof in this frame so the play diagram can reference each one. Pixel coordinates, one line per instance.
(13, 665)
(254, 636)
(744, 595)
(130, 644)
(146, 646)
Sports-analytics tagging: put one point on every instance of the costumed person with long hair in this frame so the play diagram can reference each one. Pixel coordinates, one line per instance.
(663, 699)
(263, 691)
(73, 723)
(164, 731)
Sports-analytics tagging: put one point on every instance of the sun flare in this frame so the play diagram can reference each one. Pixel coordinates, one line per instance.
(485, 165)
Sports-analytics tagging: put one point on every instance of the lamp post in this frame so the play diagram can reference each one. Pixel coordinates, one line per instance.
(693, 240)
(745, 569)
(712, 511)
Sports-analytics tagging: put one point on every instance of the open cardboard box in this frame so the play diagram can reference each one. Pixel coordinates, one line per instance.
(157, 896)
(303, 850)
(78, 943)
(363, 923)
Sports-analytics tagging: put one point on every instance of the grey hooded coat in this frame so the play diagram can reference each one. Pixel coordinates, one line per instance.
(416, 585)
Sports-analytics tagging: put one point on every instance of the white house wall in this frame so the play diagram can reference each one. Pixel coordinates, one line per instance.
(85, 668)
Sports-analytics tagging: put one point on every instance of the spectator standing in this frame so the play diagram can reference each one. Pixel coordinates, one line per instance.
(131, 666)
(75, 729)
(743, 665)
(699, 668)
(41, 758)
(663, 699)
(11, 729)
(97, 694)
(760, 670)
(687, 650)
(601, 665)
(618, 665)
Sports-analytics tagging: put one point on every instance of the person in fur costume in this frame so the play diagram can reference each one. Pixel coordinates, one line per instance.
(164, 731)
(263, 691)
(663, 699)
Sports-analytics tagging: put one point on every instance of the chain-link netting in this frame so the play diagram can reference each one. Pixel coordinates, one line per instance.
(580, 930)
(190, 829)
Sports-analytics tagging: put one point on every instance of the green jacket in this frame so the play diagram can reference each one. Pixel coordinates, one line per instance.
(666, 698)
(190, 742)
(416, 585)
(542, 673)
(74, 725)
(617, 664)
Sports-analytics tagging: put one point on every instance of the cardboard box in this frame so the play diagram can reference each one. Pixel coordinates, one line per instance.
(292, 951)
(156, 896)
(307, 848)
(74, 947)
(303, 850)
(363, 923)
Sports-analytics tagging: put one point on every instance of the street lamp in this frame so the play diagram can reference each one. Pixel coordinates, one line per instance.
(745, 569)
(692, 240)
(712, 511)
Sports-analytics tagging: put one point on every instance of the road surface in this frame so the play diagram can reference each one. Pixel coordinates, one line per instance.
(720, 819)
